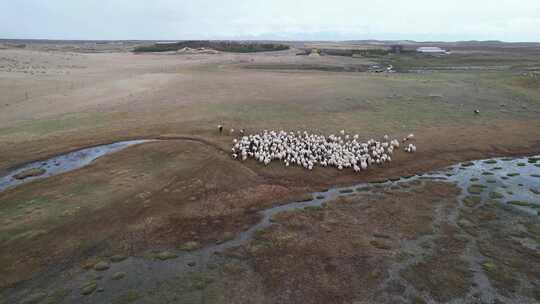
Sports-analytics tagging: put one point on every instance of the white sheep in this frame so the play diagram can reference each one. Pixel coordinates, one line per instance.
(309, 150)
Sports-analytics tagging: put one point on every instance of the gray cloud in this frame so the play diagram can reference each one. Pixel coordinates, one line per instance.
(277, 19)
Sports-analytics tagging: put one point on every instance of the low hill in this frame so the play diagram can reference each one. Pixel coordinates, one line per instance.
(223, 46)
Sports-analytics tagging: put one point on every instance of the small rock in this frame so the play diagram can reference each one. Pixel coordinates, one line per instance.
(101, 266)
(191, 264)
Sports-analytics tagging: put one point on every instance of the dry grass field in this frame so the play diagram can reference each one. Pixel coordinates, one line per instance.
(160, 195)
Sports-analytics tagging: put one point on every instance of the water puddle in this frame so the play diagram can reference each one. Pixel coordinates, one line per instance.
(515, 182)
(61, 163)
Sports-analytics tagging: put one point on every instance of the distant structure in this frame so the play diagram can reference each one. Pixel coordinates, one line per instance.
(166, 42)
(396, 49)
(315, 52)
(432, 50)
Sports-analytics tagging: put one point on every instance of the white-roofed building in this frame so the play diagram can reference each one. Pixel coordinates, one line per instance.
(431, 50)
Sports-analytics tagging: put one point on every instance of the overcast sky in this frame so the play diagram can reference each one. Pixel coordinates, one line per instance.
(450, 20)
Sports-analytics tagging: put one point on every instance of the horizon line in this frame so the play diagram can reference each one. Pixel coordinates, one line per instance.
(276, 40)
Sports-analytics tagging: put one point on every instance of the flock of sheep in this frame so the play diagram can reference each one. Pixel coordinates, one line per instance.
(310, 150)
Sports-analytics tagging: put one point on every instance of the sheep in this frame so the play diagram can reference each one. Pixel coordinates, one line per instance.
(311, 150)
(410, 148)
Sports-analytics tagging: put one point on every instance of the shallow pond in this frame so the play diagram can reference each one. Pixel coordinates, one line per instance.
(61, 163)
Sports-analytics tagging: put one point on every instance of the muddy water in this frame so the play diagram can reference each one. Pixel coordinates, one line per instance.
(63, 163)
(513, 180)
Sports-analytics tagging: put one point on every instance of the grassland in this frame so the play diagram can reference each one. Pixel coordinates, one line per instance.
(159, 195)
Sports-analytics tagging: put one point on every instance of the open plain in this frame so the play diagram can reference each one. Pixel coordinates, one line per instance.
(419, 242)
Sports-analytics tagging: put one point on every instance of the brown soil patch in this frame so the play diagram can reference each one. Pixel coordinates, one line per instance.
(171, 193)
(443, 274)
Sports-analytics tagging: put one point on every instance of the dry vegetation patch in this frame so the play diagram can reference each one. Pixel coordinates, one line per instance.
(341, 251)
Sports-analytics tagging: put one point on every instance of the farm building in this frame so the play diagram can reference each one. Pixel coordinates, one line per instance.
(396, 49)
(431, 50)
